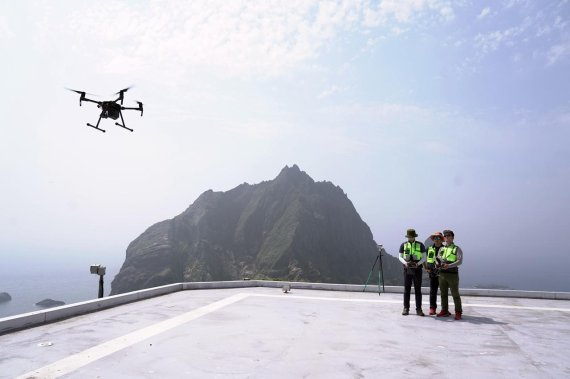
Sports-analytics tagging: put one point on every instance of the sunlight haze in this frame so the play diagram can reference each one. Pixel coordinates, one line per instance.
(429, 114)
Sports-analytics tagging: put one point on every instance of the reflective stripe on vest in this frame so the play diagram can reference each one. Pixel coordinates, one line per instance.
(413, 251)
(449, 254)
(431, 253)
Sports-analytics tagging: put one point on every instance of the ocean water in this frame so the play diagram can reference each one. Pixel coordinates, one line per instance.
(70, 284)
(29, 281)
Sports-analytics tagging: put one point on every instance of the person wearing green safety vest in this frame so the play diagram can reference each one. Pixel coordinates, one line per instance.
(431, 265)
(451, 258)
(412, 255)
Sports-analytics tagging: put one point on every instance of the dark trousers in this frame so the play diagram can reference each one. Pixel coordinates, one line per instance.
(416, 278)
(433, 286)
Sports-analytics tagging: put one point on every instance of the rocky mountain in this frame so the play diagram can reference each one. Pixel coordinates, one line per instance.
(289, 228)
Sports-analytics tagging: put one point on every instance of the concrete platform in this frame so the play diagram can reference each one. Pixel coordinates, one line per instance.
(261, 332)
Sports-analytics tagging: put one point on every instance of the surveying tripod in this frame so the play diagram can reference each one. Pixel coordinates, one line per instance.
(380, 270)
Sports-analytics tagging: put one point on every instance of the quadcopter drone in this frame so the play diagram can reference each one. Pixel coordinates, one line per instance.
(110, 109)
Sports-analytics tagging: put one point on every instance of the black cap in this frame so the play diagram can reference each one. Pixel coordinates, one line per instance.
(448, 232)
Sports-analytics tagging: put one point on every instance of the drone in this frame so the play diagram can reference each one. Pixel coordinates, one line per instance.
(110, 109)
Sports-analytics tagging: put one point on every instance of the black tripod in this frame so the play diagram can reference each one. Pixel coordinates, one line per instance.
(380, 270)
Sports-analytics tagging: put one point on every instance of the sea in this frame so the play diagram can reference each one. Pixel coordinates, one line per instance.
(31, 281)
(70, 283)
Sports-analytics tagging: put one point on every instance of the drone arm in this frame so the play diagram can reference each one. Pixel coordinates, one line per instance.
(83, 98)
(140, 108)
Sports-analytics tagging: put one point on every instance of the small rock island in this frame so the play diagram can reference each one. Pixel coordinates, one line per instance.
(5, 296)
(48, 303)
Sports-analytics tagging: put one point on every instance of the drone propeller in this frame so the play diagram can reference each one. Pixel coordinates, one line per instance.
(121, 93)
(140, 107)
(123, 90)
(80, 92)
(73, 90)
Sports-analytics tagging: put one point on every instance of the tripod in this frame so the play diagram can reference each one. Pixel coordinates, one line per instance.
(380, 270)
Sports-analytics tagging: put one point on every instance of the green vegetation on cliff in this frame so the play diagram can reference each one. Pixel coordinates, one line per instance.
(289, 228)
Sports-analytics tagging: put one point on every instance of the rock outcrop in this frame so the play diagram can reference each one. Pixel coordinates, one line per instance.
(5, 296)
(289, 228)
(48, 303)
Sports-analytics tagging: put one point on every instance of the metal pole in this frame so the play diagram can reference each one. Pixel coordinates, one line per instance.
(381, 272)
(370, 274)
(100, 286)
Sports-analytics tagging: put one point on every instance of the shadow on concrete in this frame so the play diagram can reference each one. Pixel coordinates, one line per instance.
(473, 320)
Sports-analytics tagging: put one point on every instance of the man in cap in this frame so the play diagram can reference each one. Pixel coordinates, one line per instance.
(451, 258)
(412, 255)
(432, 266)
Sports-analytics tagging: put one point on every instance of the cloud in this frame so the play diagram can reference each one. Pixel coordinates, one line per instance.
(488, 42)
(389, 114)
(484, 13)
(237, 38)
(512, 3)
(328, 92)
(526, 28)
(395, 128)
(5, 31)
(406, 12)
(558, 53)
(392, 123)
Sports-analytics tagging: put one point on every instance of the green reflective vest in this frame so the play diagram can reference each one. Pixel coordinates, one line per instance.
(431, 254)
(412, 251)
(449, 254)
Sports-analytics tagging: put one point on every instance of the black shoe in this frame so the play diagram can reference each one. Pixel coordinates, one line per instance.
(419, 312)
(405, 312)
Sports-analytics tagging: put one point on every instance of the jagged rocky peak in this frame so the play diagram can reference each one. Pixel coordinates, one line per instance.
(288, 228)
(293, 175)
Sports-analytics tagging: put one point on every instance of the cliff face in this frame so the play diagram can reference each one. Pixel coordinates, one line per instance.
(290, 228)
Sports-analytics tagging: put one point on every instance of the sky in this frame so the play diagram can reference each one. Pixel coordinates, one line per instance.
(429, 114)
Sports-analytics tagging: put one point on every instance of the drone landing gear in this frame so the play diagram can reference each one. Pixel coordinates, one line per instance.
(123, 124)
(88, 124)
(96, 126)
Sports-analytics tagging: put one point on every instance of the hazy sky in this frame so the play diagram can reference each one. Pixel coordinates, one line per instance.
(429, 114)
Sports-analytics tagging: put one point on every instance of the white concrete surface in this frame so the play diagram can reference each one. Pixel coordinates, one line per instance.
(32, 319)
(264, 333)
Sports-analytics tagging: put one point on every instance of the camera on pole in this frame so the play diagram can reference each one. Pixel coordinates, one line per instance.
(99, 270)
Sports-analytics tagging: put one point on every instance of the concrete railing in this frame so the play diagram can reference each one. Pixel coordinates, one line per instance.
(425, 290)
(28, 320)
